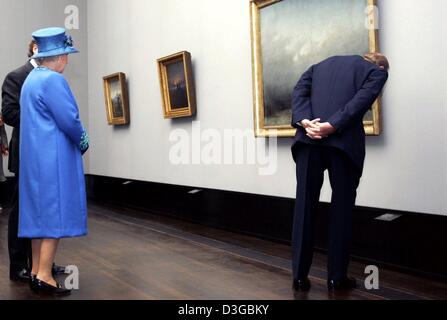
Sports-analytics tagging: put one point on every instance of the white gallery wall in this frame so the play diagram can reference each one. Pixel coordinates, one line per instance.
(405, 167)
(19, 18)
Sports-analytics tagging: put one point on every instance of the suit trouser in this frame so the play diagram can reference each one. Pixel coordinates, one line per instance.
(19, 248)
(311, 162)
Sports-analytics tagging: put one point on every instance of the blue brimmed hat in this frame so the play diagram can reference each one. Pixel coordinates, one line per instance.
(53, 42)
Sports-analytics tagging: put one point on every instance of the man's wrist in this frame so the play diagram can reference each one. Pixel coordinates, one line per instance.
(334, 129)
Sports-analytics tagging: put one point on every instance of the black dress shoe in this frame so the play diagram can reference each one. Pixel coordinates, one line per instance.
(301, 285)
(19, 275)
(32, 281)
(57, 270)
(343, 284)
(40, 287)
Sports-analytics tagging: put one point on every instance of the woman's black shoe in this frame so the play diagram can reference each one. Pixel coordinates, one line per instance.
(301, 285)
(41, 287)
(344, 284)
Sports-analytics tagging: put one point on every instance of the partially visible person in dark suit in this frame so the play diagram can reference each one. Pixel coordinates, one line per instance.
(19, 249)
(328, 105)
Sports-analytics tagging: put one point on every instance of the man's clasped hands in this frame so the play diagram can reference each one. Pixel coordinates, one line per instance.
(317, 130)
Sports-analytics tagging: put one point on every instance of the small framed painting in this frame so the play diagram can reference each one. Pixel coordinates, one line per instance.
(177, 85)
(117, 102)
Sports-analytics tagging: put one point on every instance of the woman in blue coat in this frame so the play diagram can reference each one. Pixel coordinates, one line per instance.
(52, 141)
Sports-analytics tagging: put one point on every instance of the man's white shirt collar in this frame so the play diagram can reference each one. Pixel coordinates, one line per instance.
(34, 63)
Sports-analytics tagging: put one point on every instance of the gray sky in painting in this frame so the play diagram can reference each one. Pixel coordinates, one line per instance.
(298, 33)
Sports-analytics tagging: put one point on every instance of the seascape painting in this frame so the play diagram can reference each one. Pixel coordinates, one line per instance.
(289, 36)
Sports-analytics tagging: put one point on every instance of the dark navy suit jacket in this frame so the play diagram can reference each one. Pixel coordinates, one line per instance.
(338, 90)
(11, 89)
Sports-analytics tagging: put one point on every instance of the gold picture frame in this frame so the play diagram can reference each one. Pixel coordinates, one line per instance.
(116, 98)
(372, 122)
(177, 85)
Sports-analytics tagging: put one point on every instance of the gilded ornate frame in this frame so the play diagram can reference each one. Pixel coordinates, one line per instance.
(125, 119)
(372, 128)
(168, 111)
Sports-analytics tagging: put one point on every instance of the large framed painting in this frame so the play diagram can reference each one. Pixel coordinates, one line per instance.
(117, 102)
(288, 36)
(177, 85)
